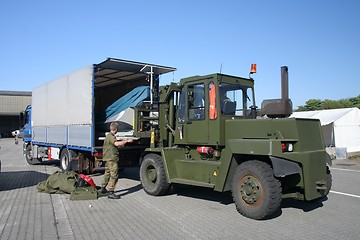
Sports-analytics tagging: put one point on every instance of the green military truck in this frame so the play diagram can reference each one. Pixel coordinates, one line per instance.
(206, 131)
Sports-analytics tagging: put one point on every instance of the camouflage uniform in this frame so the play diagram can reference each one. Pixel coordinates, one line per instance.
(111, 158)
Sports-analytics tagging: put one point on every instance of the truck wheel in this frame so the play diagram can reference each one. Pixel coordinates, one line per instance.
(152, 175)
(29, 156)
(256, 192)
(65, 160)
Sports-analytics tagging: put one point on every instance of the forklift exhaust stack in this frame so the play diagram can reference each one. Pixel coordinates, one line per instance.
(279, 108)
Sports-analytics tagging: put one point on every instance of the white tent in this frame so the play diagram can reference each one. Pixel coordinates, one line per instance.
(341, 127)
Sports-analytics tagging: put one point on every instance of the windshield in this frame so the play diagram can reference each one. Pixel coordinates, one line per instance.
(235, 99)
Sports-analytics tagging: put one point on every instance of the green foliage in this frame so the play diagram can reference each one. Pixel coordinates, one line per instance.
(355, 101)
(311, 105)
(317, 104)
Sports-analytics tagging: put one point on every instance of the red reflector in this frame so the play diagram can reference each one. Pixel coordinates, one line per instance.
(96, 154)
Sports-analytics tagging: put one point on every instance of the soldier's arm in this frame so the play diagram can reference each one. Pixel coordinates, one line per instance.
(121, 143)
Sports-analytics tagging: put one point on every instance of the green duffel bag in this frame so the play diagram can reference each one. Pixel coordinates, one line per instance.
(59, 182)
(84, 193)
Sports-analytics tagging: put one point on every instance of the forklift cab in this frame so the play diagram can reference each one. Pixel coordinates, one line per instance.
(205, 103)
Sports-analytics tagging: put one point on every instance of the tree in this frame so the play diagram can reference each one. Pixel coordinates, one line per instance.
(311, 105)
(355, 101)
(317, 104)
(330, 104)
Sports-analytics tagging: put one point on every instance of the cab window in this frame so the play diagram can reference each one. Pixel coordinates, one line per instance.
(233, 99)
(182, 102)
(196, 100)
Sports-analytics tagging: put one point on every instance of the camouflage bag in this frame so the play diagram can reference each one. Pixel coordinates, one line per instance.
(59, 182)
(68, 182)
(84, 193)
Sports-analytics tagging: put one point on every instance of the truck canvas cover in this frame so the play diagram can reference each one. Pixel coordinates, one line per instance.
(131, 99)
(63, 110)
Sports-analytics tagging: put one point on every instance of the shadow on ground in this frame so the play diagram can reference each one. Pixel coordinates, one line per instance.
(305, 206)
(207, 193)
(202, 193)
(20, 179)
(126, 191)
(211, 195)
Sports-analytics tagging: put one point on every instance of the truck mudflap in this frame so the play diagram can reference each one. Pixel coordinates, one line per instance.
(314, 173)
(282, 167)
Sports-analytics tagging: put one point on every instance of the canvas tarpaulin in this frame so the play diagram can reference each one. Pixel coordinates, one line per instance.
(116, 110)
(64, 101)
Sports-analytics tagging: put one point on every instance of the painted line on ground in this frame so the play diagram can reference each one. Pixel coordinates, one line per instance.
(346, 194)
(344, 169)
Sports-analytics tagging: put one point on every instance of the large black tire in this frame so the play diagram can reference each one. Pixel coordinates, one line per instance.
(65, 160)
(329, 182)
(29, 156)
(153, 176)
(255, 190)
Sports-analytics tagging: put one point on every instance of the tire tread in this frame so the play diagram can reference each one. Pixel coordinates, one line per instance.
(271, 187)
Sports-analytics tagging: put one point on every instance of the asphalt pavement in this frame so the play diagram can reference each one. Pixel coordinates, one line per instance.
(187, 213)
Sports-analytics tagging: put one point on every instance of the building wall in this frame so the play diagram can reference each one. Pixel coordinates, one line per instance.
(11, 104)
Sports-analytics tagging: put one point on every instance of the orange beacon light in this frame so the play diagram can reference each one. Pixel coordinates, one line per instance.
(253, 68)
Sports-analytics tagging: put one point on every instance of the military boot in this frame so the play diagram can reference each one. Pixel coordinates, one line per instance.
(112, 195)
(103, 190)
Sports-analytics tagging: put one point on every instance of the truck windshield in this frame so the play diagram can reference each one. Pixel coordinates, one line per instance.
(234, 99)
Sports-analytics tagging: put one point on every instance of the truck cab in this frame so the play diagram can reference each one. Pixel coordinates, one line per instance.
(25, 119)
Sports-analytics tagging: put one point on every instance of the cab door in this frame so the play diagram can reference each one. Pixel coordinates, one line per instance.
(192, 120)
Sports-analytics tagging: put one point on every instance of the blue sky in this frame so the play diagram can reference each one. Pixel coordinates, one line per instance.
(318, 40)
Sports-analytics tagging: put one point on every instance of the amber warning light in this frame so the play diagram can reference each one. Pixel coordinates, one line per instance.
(253, 68)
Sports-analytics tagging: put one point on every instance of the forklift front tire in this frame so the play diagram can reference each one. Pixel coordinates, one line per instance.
(153, 176)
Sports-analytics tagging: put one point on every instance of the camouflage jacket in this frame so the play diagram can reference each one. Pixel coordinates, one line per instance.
(110, 152)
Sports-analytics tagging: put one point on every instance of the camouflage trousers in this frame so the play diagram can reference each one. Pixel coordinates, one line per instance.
(111, 175)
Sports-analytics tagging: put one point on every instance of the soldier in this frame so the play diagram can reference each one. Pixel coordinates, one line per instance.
(111, 158)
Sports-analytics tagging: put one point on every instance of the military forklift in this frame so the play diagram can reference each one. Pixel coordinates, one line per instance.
(206, 131)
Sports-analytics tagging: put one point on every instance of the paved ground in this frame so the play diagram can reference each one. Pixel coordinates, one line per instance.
(188, 213)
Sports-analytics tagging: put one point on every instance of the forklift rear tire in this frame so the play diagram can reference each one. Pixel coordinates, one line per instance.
(256, 192)
(153, 176)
